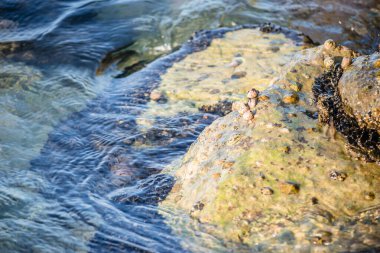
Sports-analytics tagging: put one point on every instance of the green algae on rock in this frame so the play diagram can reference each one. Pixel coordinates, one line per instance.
(288, 151)
(225, 71)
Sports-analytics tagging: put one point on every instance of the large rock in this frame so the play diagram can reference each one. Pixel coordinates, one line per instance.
(359, 88)
(283, 178)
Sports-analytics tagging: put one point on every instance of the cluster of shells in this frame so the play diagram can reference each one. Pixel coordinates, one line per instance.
(329, 62)
(246, 110)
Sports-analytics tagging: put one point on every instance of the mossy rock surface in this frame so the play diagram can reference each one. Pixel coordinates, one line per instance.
(209, 76)
(282, 179)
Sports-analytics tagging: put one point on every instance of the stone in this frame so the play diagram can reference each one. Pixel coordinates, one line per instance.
(266, 191)
(291, 98)
(155, 95)
(288, 187)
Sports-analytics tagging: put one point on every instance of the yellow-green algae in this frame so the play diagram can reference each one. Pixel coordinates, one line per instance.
(232, 160)
(204, 78)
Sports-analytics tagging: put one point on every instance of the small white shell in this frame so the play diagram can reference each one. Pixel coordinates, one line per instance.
(253, 93)
(248, 115)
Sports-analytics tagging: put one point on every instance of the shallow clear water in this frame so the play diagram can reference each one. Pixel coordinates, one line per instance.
(76, 174)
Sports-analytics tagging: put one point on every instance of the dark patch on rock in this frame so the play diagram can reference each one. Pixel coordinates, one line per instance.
(364, 141)
(221, 108)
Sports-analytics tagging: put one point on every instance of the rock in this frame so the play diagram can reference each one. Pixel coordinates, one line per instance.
(191, 83)
(289, 188)
(238, 75)
(17, 76)
(359, 88)
(6, 24)
(291, 98)
(303, 198)
(266, 191)
(155, 95)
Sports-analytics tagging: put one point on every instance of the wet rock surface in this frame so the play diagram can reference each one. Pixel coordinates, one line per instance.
(211, 79)
(362, 140)
(359, 87)
(284, 177)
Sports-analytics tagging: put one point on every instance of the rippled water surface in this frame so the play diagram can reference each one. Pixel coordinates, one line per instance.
(76, 173)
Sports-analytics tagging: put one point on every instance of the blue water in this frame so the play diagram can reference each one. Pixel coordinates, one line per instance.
(71, 178)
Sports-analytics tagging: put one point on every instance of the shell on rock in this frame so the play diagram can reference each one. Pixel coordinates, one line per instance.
(329, 44)
(253, 93)
(248, 115)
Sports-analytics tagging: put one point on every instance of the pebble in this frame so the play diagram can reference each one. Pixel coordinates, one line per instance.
(216, 175)
(155, 95)
(292, 98)
(253, 93)
(7, 24)
(238, 75)
(266, 191)
(329, 44)
(369, 196)
(289, 188)
(286, 149)
(328, 62)
(263, 98)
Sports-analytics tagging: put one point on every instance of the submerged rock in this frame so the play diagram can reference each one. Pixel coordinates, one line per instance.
(266, 190)
(17, 76)
(225, 71)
